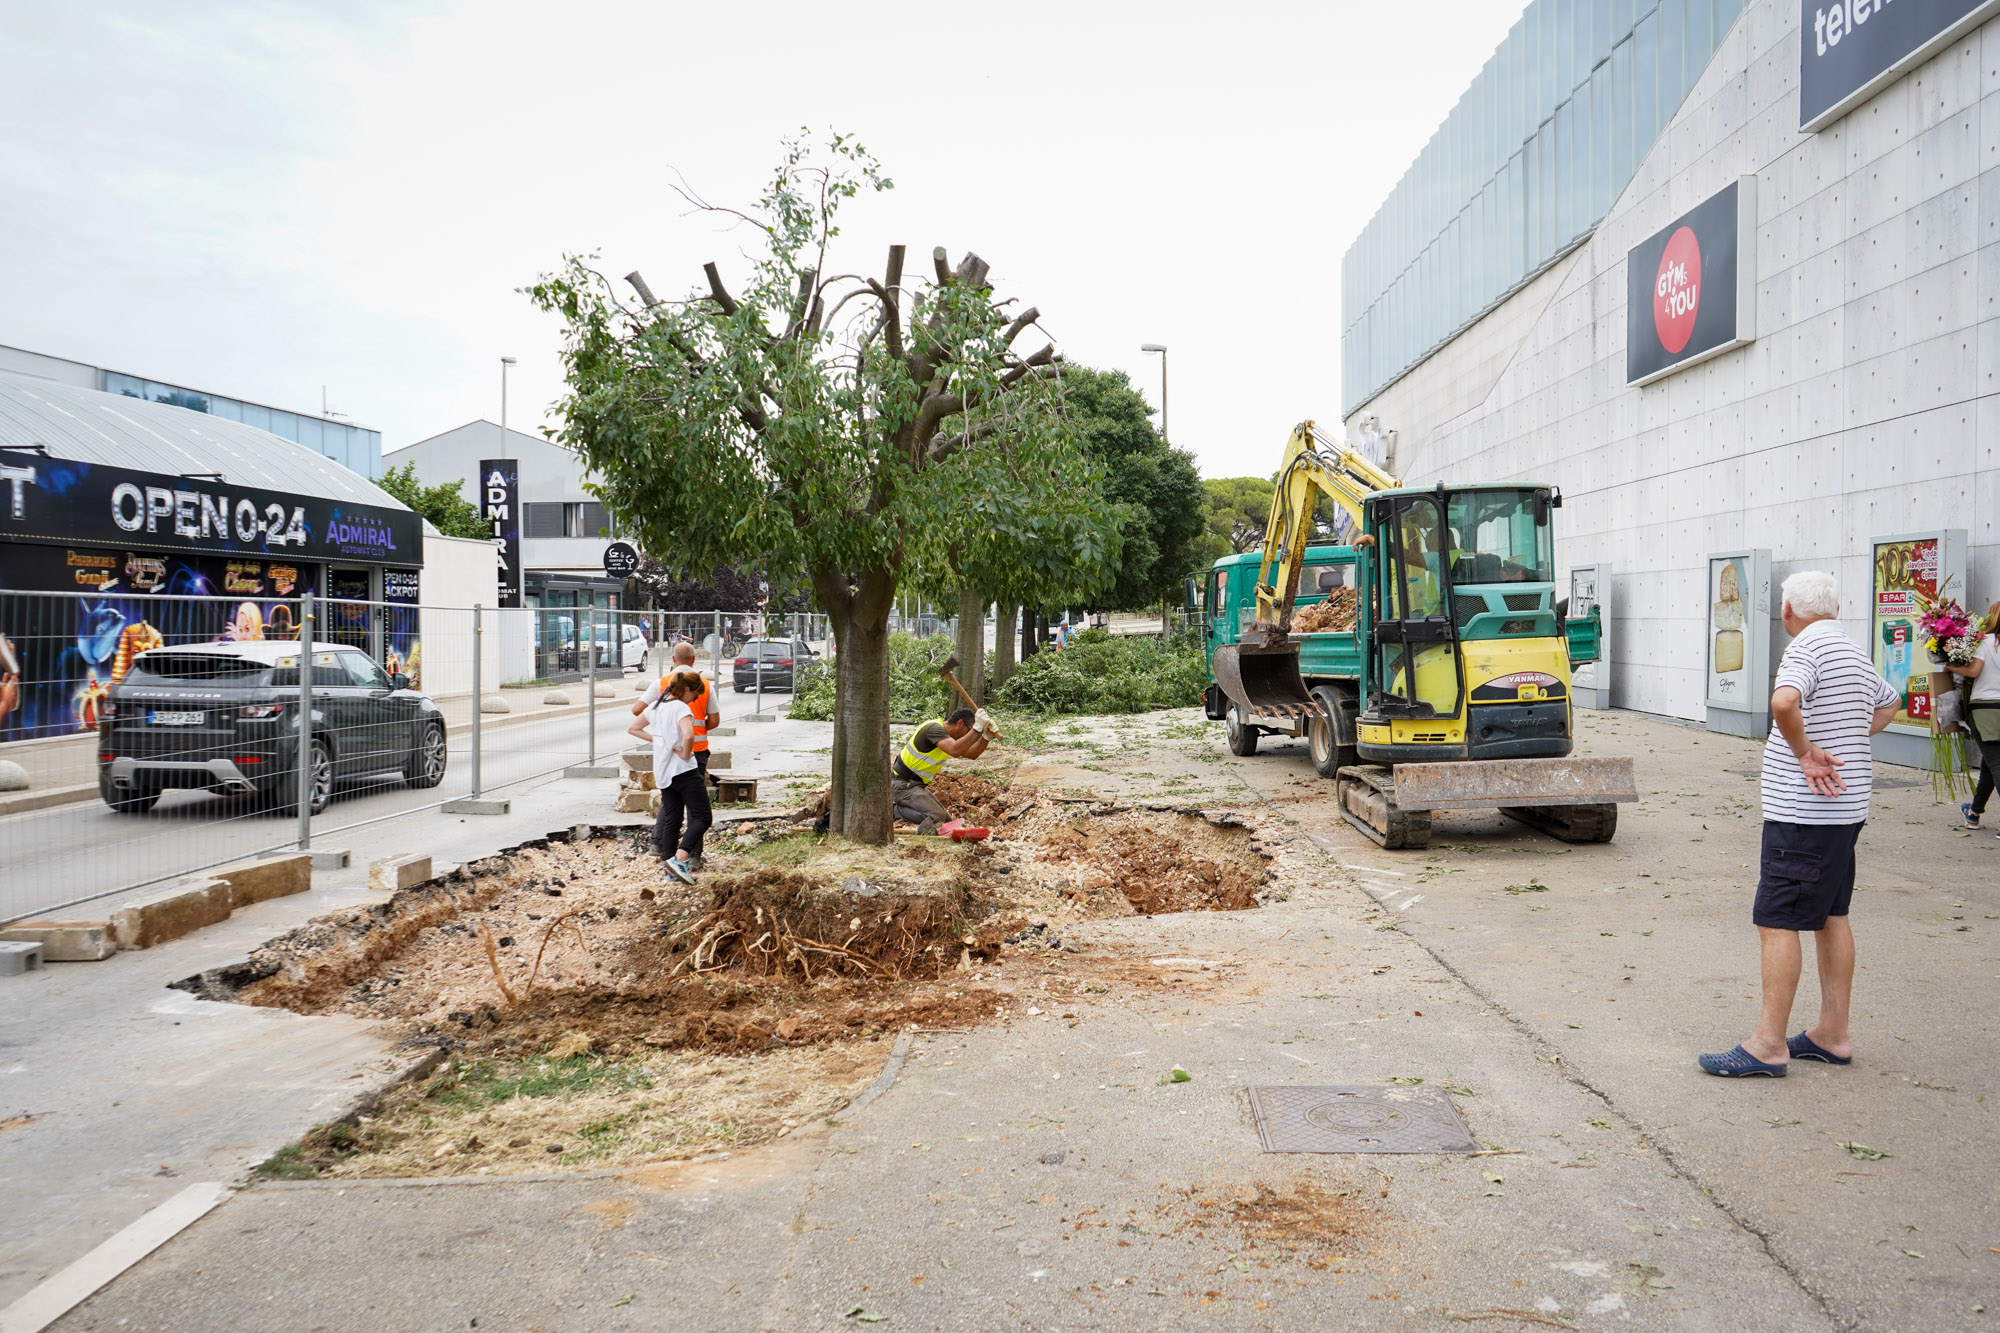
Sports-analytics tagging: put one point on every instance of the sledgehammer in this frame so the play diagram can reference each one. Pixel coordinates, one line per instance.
(951, 665)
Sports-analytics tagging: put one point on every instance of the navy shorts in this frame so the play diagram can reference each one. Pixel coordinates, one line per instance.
(1806, 874)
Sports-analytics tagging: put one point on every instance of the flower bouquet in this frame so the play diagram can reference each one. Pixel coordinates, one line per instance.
(1951, 639)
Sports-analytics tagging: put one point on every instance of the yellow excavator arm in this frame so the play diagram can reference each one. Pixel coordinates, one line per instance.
(1313, 466)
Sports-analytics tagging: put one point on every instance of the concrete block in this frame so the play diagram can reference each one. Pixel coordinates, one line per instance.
(493, 703)
(731, 791)
(639, 761)
(643, 780)
(18, 956)
(401, 871)
(714, 732)
(13, 777)
(466, 805)
(555, 697)
(591, 771)
(634, 801)
(266, 878)
(718, 759)
(330, 858)
(65, 941)
(179, 909)
(606, 690)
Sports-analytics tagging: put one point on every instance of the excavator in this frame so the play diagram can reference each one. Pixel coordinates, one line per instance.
(1450, 689)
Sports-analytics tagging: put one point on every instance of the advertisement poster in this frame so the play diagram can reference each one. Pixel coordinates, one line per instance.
(500, 505)
(401, 650)
(1690, 288)
(60, 656)
(1729, 619)
(1905, 573)
(1849, 51)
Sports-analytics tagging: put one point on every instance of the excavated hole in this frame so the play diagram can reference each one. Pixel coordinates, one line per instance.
(596, 1013)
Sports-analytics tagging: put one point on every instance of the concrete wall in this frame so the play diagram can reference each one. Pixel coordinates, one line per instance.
(550, 474)
(458, 574)
(1869, 403)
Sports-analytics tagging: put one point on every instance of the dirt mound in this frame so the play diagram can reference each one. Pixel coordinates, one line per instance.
(1336, 613)
(780, 923)
(976, 800)
(1172, 863)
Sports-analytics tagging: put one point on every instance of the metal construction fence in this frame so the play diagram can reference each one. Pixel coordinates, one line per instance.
(217, 746)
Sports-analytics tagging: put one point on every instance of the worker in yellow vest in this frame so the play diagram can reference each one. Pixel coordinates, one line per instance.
(705, 713)
(962, 734)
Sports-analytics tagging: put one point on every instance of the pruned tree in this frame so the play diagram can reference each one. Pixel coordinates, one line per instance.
(842, 424)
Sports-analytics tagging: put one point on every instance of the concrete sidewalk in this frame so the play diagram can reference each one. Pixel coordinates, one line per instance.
(116, 1093)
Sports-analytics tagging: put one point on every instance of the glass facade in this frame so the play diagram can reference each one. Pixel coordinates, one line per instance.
(1521, 170)
(354, 447)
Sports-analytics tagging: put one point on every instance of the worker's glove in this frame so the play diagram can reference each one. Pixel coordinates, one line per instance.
(982, 722)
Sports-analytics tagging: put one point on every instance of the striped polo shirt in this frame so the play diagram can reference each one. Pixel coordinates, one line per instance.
(1840, 691)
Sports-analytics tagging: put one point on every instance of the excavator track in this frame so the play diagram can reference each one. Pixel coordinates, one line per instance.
(1571, 823)
(1367, 796)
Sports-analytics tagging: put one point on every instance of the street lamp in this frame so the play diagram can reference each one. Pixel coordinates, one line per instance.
(505, 362)
(1161, 349)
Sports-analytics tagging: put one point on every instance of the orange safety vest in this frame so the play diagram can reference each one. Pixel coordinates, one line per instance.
(700, 710)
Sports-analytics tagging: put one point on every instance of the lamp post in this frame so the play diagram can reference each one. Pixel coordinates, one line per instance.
(505, 362)
(1162, 350)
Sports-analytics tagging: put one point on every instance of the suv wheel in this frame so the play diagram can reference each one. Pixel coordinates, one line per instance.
(284, 794)
(427, 761)
(130, 801)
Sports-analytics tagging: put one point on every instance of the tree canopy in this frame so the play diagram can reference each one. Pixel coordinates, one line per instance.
(448, 511)
(824, 421)
(1238, 509)
(1156, 488)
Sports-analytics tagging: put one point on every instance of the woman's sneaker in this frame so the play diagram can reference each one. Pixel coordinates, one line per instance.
(1971, 815)
(679, 870)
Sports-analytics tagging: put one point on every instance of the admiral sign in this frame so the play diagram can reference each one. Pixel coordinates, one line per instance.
(45, 499)
(500, 505)
(1691, 287)
(1849, 50)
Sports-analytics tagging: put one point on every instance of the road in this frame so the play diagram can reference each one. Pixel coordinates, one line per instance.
(59, 856)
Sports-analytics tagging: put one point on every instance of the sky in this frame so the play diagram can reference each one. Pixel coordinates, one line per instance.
(272, 201)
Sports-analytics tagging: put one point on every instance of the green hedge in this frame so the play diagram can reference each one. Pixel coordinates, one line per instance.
(915, 688)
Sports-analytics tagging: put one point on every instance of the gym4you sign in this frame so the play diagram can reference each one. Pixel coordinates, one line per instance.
(1849, 50)
(1691, 287)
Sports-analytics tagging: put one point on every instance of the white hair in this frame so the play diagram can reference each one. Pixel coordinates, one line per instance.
(1812, 592)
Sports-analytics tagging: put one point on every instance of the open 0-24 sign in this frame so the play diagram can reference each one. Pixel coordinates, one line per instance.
(1691, 287)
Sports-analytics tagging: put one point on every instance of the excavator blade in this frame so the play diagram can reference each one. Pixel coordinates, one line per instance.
(1263, 679)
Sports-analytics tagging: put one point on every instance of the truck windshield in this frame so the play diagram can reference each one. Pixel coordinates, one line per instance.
(1495, 539)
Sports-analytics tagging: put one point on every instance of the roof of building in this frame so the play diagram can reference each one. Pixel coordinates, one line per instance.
(115, 431)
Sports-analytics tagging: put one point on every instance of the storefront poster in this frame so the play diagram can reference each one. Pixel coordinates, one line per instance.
(1691, 287)
(66, 652)
(1905, 573)
(402, 651)
(1728, 662)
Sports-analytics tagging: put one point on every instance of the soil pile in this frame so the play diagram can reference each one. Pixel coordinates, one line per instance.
(1336, 613)
(1154, 863)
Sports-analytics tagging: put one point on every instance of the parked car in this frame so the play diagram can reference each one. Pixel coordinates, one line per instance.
(223, 717)
(631, 650)
(776, 660)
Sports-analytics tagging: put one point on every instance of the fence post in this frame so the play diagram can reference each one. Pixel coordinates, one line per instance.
(590, 686)
(305, 720)
(477, 697)
(715, 657)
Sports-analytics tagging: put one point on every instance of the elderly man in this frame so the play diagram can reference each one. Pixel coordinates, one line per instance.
(1818, 771)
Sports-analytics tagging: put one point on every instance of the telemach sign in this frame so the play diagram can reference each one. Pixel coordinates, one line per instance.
(1691, 287)
(1850, 49)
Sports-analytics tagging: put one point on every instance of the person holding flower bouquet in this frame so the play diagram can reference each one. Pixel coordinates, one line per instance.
(1982, 667)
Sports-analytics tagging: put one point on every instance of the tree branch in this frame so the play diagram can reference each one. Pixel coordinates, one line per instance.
(1021, 321)
(718, 291)
(891, 292)
(646, 297)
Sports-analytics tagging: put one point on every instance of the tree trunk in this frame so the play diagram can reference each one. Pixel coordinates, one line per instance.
(1003, 643)
(1166, 618)
(1041, 630)
(859, 808)
(1028, 644)
(971, 647)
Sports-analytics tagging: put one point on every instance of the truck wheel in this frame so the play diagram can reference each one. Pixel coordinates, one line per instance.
(1324, 731)
(1242, 736)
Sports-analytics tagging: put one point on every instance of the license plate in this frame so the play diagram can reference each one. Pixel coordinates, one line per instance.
(160, 718)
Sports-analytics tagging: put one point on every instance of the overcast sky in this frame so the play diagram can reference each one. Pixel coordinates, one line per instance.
(259, 199)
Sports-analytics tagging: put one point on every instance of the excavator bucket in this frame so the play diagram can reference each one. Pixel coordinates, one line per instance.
(1263, 678)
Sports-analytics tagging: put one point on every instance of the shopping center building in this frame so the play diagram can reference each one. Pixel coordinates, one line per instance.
(1728, 274)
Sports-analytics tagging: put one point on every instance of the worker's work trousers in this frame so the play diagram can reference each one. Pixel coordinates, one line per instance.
(914, 802)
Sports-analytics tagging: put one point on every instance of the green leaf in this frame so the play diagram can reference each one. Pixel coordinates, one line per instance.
(1862, 1152)
(1178, 1075)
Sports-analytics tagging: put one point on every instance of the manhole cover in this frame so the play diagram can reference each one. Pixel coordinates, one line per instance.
(1359, 1119)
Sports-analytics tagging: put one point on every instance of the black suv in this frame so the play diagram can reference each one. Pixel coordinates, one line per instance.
(224, 717)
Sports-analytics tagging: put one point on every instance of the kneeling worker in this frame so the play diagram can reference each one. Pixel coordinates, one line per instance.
(963, 734)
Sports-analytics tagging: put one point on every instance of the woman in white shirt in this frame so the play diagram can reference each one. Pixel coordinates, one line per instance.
(669, 725)
(1984, 673)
